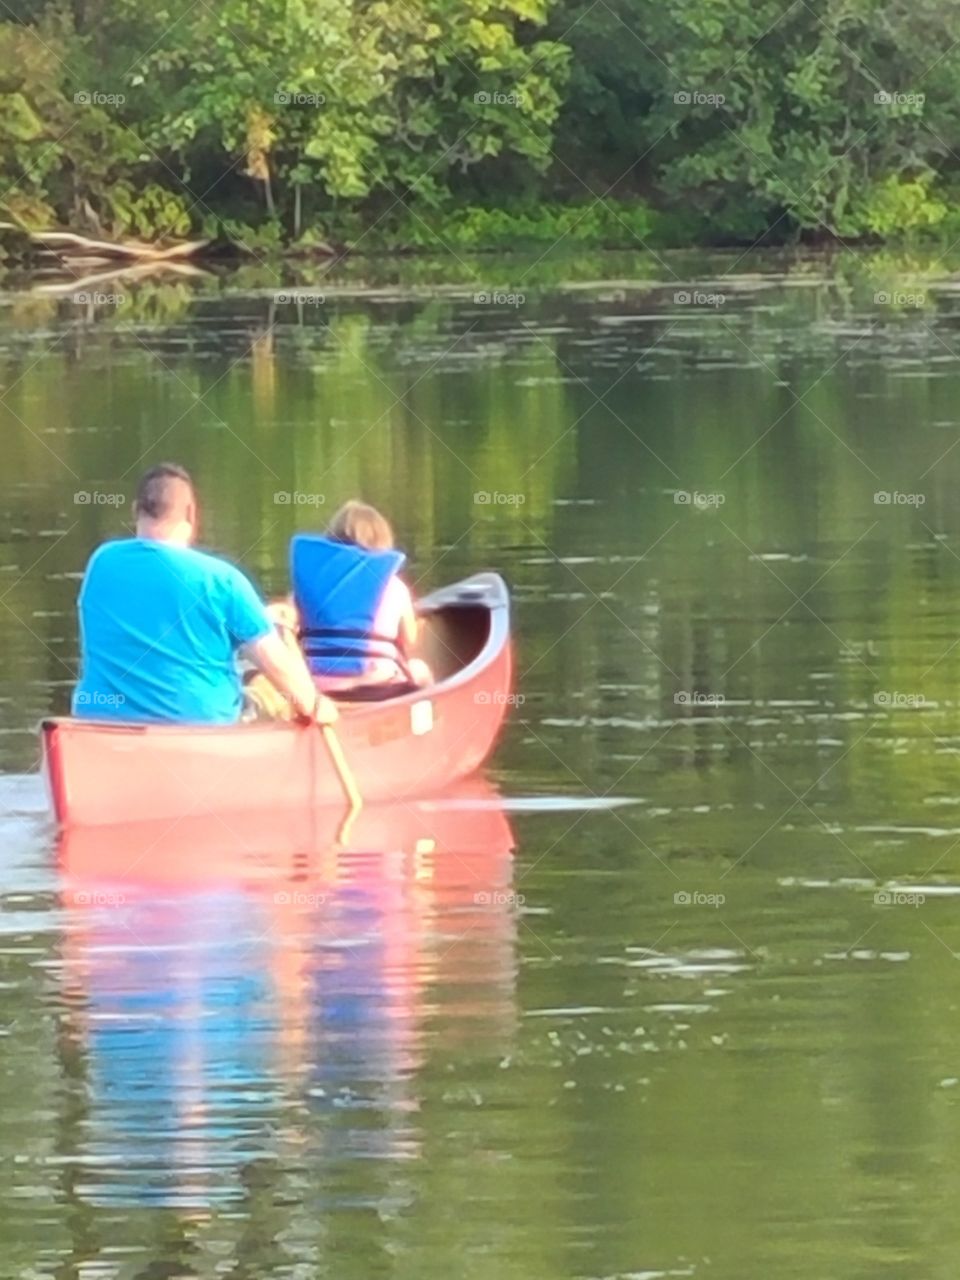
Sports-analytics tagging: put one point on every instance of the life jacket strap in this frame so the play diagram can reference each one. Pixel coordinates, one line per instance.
(345, 633)
(329, 648)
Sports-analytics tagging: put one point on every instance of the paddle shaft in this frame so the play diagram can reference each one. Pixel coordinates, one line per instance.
(344, 772)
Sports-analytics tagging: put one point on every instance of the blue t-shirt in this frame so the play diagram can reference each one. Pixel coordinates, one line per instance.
(159, 629)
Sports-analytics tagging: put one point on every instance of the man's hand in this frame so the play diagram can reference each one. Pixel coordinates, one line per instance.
(325, 710)
(321, 711)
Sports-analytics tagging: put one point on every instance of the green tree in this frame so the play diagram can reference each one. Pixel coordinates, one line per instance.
(815, 115)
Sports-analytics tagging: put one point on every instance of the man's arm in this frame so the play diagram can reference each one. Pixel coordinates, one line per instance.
(253, 631)
(285, 668)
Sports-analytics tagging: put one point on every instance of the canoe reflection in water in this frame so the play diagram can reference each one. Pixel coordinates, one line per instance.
(271, 994)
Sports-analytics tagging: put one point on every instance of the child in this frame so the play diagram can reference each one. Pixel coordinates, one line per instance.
(356, 618)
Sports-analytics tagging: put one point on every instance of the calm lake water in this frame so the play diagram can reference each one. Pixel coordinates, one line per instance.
(536, 1033)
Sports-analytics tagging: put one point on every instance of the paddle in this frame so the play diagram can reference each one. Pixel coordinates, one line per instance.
(344, 772)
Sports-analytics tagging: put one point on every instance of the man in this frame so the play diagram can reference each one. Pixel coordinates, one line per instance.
(161, 624)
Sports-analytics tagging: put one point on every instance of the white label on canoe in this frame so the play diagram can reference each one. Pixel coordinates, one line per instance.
(421, 717)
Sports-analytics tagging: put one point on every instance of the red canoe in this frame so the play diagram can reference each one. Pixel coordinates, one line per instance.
(416, 744)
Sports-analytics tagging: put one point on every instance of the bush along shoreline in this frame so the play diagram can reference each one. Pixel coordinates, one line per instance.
(553, 229)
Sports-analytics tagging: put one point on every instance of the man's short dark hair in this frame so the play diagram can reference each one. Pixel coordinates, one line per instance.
(159, 490)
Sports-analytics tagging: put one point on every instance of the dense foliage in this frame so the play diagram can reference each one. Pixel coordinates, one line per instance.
(481, 122)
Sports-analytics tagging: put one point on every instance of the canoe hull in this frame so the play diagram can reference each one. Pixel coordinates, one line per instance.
(410, 746)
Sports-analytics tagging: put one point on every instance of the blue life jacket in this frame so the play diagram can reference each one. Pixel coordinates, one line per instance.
(338, 587)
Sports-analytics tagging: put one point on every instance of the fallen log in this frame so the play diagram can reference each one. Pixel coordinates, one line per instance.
(69, 244)
(18, 245)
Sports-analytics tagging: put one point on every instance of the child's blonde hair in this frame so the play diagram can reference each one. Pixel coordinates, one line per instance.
(363, 525)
